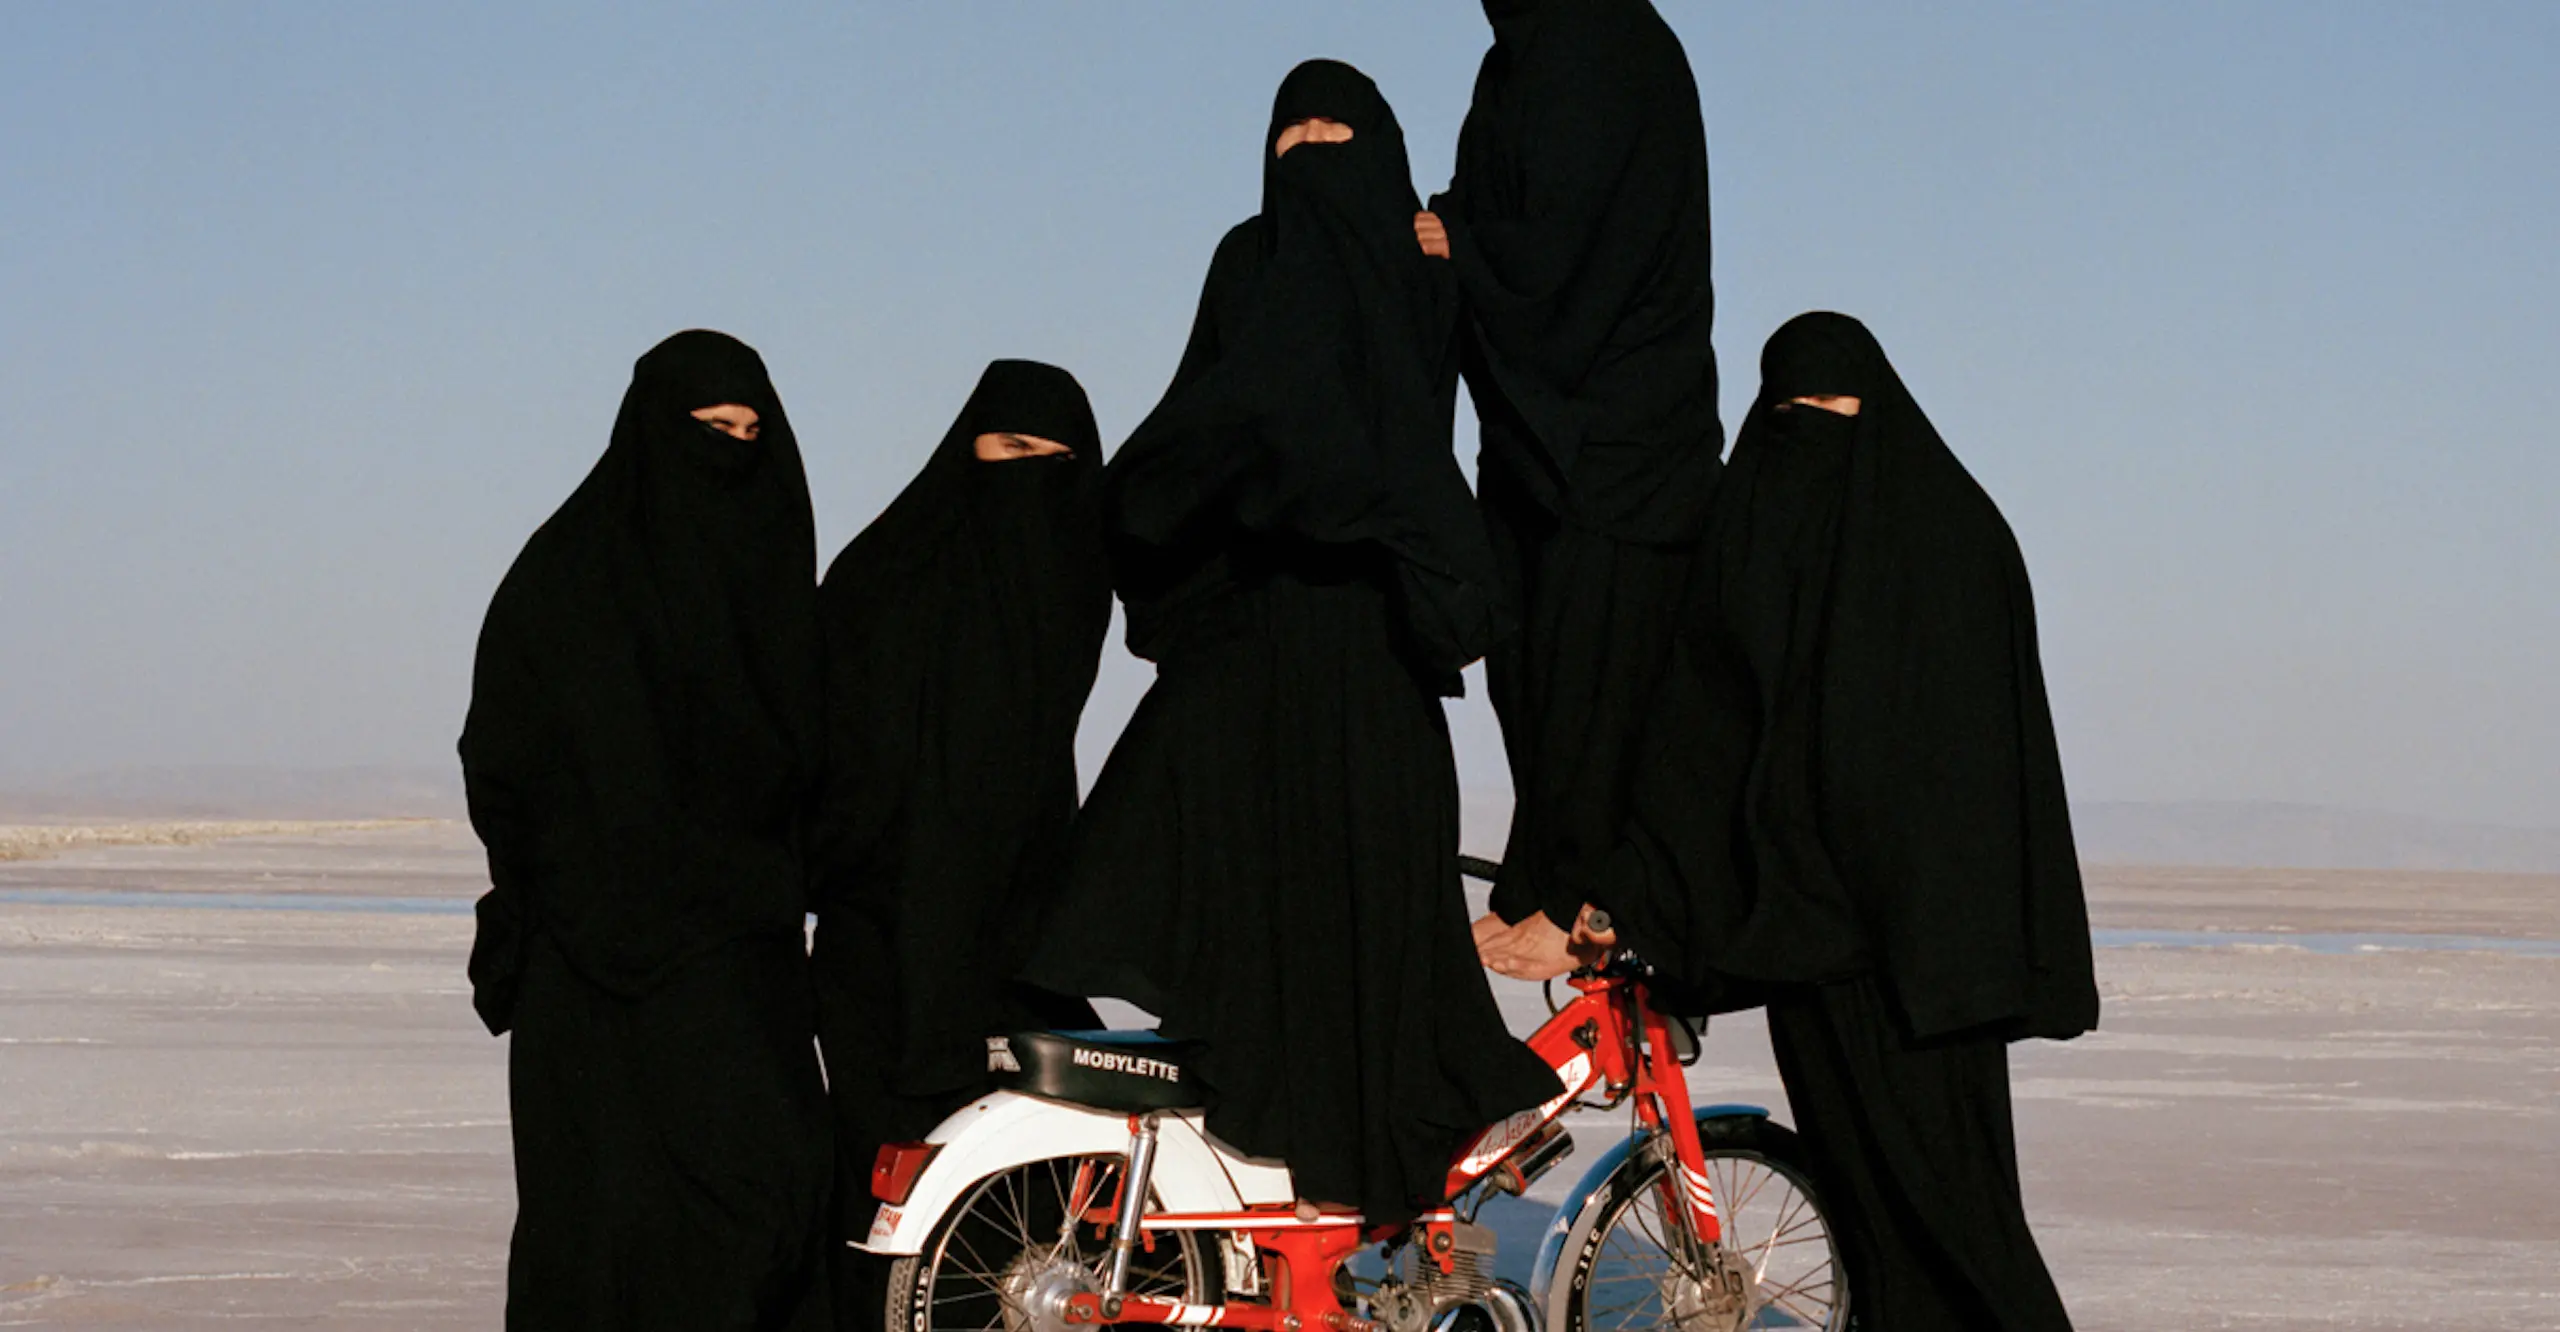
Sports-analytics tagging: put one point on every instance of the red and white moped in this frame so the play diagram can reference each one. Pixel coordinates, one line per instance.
(1087, 1192)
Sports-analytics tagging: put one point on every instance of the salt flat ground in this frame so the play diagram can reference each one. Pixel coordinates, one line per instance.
(218, 1115)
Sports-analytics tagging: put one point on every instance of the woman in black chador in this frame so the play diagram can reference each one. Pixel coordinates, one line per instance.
(1577, 223)
(1268, 859)
(1853, 805)
(642, 742)
(963, 628)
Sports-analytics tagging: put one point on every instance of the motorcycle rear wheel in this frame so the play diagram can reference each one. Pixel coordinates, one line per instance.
(1009, 1253)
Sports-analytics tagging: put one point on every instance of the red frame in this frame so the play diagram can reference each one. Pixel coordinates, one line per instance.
(1593, 1045)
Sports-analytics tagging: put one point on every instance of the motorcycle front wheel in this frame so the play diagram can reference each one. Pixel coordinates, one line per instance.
(1637, 1266)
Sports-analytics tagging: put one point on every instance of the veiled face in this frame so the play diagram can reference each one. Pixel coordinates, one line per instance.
(1006, 445)
(1839, 404)
(736, 420)
(1314, 129)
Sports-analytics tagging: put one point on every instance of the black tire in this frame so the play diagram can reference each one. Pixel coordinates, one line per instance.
(1779, 1264)
(1011, 1226)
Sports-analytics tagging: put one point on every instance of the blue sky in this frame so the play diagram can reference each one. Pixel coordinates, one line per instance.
(308, 314)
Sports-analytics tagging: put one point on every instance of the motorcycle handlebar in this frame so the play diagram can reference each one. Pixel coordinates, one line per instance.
(1622, 961)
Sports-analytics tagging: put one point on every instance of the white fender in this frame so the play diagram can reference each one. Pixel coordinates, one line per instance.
(1193, 1172)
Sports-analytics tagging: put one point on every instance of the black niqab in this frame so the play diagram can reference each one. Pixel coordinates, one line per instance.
(1579, 228)
(1857, 764)
(1314, 397)
(1722, 876)
(643, 722)
(641, 740)
(963, 631)
(1854, 804)
(963, 628)
(1268, 860)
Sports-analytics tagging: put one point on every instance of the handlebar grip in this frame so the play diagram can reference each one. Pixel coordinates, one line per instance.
(1475, 867)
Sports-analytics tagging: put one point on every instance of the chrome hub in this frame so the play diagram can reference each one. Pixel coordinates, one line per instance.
(1724, 1299)
(1036, 1290)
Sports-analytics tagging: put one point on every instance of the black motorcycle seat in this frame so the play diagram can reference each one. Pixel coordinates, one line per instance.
(1131, 1072)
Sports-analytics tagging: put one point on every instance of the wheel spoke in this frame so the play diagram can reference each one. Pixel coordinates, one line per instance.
(1017, 1201)
(1650, 1283)
(1778, 1234)
(1819, 1318)
(1802, 1283)
(1003, 1235)
(986, 1269)
(1649, 1264)
(1644, 1218)
(1797, 1203)
(1059, 1186)
(990, 1279)
(1622, 1308)
(1639, 1273)
(1761, 1179)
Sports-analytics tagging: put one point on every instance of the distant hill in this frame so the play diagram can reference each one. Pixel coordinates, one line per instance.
(2242, 834)
(237, 792)
(2239, 834)
(2271, 835)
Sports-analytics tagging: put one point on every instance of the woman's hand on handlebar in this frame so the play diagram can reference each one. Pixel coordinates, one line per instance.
(1536, 950)
(1593, 936)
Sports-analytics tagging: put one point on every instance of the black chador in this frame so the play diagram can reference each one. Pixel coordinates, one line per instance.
(1853, 805)
(1268, 858)
(1578, 226)
(962, 630)
(642, 742)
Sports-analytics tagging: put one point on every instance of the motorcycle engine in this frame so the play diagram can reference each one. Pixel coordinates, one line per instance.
(1416, 1295)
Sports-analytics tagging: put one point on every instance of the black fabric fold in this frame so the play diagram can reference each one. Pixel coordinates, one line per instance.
(1853, 806)
(1722, 875)
(639, 753)
(1580, 232)
(1916, 1149)
(963, 630)
(644, 713)
(1268, 861)
(1313, 400)
(1857, 765)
